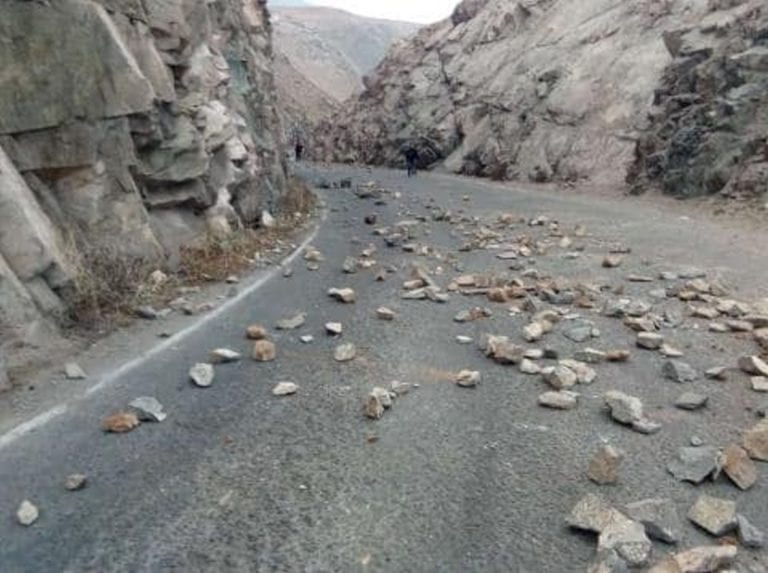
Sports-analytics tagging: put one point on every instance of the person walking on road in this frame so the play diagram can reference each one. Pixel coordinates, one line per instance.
(411, 159)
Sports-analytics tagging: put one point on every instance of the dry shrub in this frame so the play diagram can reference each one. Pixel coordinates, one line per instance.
(216, 258)
(297, 199)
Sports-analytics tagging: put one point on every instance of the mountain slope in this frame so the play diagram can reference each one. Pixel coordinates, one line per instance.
(542, 90)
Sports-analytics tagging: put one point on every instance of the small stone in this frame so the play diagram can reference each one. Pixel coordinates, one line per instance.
(292, 323)
(590, 356)
(267, 220)
(679, 371)
(714, 515)
(718, 327)
(534, 354)
(761, 337)
(287, 272)
(560, 377)
(624, 409)
(755, 441)
(120, 422)
(202, 374)
(333, 328)
(612, 261)
(628, 539)
(707, 312)
(384, 396)
(694, 464)
(147, 313)
(72, 371)
(696, 441)
(670, 351)
(593, 513)
(738, 466)
(759, 383)
(373, 407)
(617, 355)
(256, 332)
(579, 332)
(503, 351)
(384, 313)
(529, 367)
(562, 400)
(533, 332)
(27, 513)
(232, 280)
(659, 517)
(75, 482)
(739, 326)
(345, 295)
(468, 378)
(224, 355)
(350, 265)
(345, 352)
(400, 388)
(691, 401)
(307, 338)
(753, 365)
(264, 351)
(717, 373)
(707, 559)
(604, 466)
(313, 255)
(649, 340)
(285, 389)
(584, 374)
(749, 535)
(148, 409)
(464, 339)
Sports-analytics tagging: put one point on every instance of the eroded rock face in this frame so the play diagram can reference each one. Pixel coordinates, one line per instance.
(537, 90)
(136, 130)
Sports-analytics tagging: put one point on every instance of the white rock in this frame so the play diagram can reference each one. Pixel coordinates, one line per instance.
(202, 374)
(148, 409)
(223, 355)
(285, 389)
(27, 513)
(72, 371)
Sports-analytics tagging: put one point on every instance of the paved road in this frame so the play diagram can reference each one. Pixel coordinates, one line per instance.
(458, 480)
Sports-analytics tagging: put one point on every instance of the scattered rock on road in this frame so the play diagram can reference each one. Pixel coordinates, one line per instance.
(562, 400)
(679, 371)
(345, 295)
(755, 441)
(385, 313)
(373, 408)
(705, 559)
(333, 328)
(148, 409)
(345, 352)
(292, 322)
(738, 466)
(694, 464)
(256, 332)
(285, 389)
(468, 378)
(202, 374)
(691, 401)
(27, 513)
(593, 513)
(628, 539)
(604, 467)
(649, 340)
(75, 482)
(224, 355)
(264, 351)
(623, 408)
(753, 365)
(749, 535)
(714, 515)
(659, 517)
(72, 371)
(560, 377)
(120, 422)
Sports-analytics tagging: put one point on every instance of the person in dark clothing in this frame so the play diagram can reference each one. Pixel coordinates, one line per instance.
(299, 149)
(411, 159)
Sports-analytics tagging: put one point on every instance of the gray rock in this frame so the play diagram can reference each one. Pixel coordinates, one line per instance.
(148, 409)
(285, 389)
(147, 312)
(334, 328)
(623, 408)
(384, 396)
(691, 401)
(560, 377)
(563, 400)
(224, 355)
(714, 515)
(292, 323)
(202, 374)
(659, 517)
(706, 559)
(593, 513)
(749, 535)
(679, 371)
(27, 513)
(753, 365)
(468, 378)
(75, 482)
(694, 464)
(350, 265)
(646, 426)
(72, 371)
(628, 539)
(345, 352)
(649, 340)
(579, 332)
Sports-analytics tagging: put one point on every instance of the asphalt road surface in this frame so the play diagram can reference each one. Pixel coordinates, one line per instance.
(450, 479)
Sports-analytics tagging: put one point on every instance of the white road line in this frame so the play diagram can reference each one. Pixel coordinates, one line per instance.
(38, 421)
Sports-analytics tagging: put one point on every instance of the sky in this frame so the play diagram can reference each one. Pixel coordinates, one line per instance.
(421, 11)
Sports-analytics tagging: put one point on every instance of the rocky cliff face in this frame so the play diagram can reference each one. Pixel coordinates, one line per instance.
(541, 90)
(128, 125)
(709, 124)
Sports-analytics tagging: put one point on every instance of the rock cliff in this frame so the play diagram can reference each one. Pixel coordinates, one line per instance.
(131, 126)
(540, 90)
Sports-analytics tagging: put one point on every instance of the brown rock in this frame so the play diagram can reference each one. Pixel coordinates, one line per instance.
(264, 351)
(120, 422)
(617, 355)
(612, 261)
(761, 337)
(755, 441)
(739, 467)
(256, 332)
(373, 408)
(497, 295)
(603, 469)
